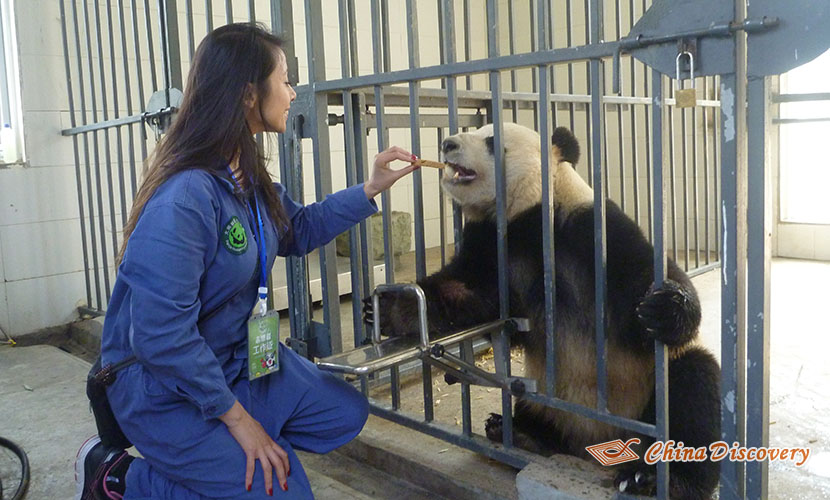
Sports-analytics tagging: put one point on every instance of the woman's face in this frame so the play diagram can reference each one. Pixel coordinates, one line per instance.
(270, 114)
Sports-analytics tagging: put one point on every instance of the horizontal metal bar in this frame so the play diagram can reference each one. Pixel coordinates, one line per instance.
(424, 121)
(702, 269)
(561, 55)
(815, 96)
(515, 457)
(787, 121)
(106, 124)
(584, 411)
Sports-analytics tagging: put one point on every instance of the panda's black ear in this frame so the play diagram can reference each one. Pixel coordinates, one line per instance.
(567, 144)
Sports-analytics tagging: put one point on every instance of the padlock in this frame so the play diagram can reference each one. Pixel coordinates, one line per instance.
(685, 98)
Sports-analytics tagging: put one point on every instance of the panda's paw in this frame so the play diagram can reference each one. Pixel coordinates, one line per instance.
(670, 314)
(638, 479)
(493, 429)
(397, 314)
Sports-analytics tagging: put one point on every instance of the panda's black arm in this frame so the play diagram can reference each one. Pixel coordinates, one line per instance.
(462, 294)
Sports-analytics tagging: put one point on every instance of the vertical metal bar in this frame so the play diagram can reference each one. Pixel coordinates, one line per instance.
(705, 111)
(730, 482)
(634, 126)
(171, 54)
(661, 369)
(148, 25)
(349, 137)
(569, 42)
(600, 241)
(684, 141)
(209, 15)
(672, 183)
(73, 121)
(415, 130)
(99, 188)
(191, 44)
(88, 162)
(442, 226)
(229, 11)
(548, 226)
(620, 129)
(139, 78)
(361, 173)
(501, 344)
(587, 16)
(252, 10)
(717, 185)
(395, 380)
(696, 207)
(759, 225)
(107, 153)
(382, 135)
(511, 6)
(322, 173)
(466, 352)
(449, 56)
(119, 165)
(648, 129)
(467, 47)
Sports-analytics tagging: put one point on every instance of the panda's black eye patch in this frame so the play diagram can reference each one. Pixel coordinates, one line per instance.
(490, 147)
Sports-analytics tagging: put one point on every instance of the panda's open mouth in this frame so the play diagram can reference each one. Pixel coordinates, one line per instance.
(462, 174)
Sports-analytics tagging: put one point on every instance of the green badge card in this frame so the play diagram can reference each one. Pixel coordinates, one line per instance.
(263, 345)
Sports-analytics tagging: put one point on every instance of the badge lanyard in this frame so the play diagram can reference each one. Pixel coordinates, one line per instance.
(263, 257)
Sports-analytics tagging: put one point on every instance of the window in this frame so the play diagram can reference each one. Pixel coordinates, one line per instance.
(805, 164)
(10, 114)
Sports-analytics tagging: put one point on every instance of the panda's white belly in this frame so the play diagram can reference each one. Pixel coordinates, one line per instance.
(630, 384)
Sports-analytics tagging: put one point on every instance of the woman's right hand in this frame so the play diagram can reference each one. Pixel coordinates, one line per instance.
(257, 445)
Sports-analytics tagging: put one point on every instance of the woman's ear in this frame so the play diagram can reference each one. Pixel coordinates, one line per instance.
(249, 99)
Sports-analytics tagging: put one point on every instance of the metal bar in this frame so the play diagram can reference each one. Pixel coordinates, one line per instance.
(148, 25)
(322, 175)
(703, 269)
(496, 63)
(468, 55)
(103, 125)
(706, 205)
(349, 139)
(5, 105)
(695, 187)
(511, 37)
(759, 225)
(600, 240)
(815, 96)
(395, 381)
(501, 342)
(730, 481)
(548, 226)
(229, 11)
(99, 189)
(672, 183)
(171, 53)
(787, 121)
(569, 43)
(649, 137)
(90, 203)
(252, 10)
(466, 354)
(514, 457)
(127, 96)
(661, 374)
(120, 155)
(383, 138)
(361, 174)
(415, 138)
(107, 153)
(209, 15)
(685, 160)
(78, 183)
(717, 185)
(584, 411)
(191, 44)
(620, 129)
(635, 156)
(139, 77)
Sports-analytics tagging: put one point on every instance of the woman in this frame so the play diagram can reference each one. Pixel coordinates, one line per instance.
(187, 284)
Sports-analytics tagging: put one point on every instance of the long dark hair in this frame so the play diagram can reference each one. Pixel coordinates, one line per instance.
(210, 128)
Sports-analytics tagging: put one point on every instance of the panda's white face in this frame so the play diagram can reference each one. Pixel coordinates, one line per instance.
(470, 177)
(470, 174)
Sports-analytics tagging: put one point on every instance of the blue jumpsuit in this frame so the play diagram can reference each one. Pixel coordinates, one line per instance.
(177, 305)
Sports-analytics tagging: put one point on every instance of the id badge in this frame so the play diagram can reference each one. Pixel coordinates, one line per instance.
(263, 345)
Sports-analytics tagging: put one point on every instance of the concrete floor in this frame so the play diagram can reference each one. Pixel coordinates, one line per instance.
(42, 405)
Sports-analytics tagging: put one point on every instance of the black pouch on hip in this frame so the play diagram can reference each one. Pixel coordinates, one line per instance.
(96, 390)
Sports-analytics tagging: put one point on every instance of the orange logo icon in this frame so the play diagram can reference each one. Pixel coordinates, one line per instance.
(614, 452)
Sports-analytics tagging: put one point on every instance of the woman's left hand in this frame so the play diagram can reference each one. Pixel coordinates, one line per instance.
(382, 176)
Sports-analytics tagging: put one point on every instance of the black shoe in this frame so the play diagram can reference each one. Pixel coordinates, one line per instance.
(100, 471)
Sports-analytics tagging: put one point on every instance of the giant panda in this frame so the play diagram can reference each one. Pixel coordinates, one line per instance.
(465, 293)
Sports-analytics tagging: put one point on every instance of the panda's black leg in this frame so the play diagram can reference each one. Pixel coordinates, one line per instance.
(530, 433)
(694, 420)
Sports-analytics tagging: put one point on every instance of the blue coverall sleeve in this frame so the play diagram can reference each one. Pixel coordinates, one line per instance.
(166, 257)
(316, 224)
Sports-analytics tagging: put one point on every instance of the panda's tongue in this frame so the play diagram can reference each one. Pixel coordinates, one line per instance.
(462, 174)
